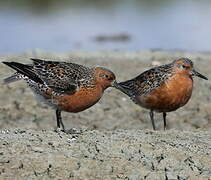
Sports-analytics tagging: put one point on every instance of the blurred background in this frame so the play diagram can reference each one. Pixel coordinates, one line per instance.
(91, 25)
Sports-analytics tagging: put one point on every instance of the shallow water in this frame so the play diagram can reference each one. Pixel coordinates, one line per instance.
(104, 25)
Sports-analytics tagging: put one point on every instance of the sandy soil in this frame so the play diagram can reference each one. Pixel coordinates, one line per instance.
(127, 150)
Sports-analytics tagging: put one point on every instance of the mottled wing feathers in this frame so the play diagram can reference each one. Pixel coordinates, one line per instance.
(61, 77)
(146, 81)
(56, 76)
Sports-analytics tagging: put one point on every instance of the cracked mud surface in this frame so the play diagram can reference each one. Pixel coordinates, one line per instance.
(115, 143)
(122, 154)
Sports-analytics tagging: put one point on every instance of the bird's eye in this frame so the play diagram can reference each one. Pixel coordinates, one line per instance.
(182, 66)
(104, 76)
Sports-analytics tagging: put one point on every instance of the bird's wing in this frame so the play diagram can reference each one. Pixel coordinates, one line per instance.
(59, 76)
(146, 81)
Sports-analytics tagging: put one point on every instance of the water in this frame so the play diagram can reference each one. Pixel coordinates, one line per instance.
(104, 25)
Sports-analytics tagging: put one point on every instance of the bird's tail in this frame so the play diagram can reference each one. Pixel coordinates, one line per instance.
(126, 87)
(22, 69)
(12, 78)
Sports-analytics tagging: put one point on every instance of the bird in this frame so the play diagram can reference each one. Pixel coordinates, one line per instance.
(64, 86)
(162, 88)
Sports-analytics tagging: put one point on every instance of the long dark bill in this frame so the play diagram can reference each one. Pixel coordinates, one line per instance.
(195, 73)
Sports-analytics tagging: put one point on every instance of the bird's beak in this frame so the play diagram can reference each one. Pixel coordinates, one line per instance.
(115, 84)
(195, 73)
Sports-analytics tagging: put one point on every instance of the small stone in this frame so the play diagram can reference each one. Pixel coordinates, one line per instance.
(37, 149)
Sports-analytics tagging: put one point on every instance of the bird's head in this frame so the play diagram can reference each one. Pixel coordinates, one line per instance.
(104, 77)
(185, 66)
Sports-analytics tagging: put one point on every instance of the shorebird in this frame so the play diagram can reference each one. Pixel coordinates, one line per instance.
(163, 88)
(64, 86)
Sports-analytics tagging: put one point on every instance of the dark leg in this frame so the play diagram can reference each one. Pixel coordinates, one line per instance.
(59, 119)
(164, 120)
(152, 119)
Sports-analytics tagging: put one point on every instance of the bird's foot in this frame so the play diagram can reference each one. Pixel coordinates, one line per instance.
(74, 131)
(70, 131)
(58, 130)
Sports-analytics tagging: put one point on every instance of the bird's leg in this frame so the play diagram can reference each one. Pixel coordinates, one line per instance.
(60, 123)
(152, 119)
(59, 119)
(164, 120)
(58, 116)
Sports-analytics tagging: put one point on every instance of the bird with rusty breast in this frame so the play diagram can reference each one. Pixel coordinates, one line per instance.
(163, 88)
(64, 86)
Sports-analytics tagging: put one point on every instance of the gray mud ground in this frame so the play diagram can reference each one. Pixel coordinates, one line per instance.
(116, 142)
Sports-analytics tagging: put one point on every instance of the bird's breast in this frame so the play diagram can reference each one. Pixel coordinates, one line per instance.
(80, 100)
(171, 95)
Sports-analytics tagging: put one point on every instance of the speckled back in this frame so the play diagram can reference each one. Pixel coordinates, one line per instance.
(61, 75)
(147, 81)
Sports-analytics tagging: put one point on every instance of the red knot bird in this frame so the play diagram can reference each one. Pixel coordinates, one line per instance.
(64, 86)
(163, 88)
